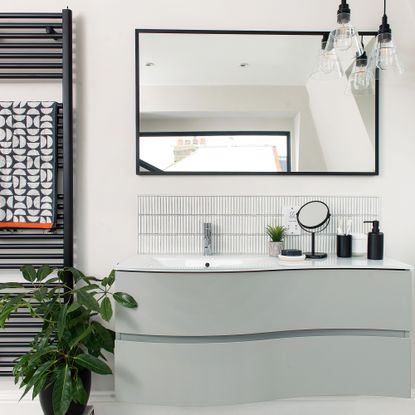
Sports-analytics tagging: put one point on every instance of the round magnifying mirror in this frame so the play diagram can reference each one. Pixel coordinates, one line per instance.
(314, 217)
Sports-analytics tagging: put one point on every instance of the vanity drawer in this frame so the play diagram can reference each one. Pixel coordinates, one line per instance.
(206, 304)
(169, 373)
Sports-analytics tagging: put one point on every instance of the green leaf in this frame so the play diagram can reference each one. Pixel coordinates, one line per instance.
(77, 275)
(38, 386)
(86, 299)
(61, 323)
(43, 272)
(40, 377)
(62, 391)
(40, 294)
(106, 309)
(89, 287)
(73, 307)
(108, 281)
(106, 336)
(6, 285)
(80, 337)
(12, 304)
(79, 392)
(124, 299)
(93, 363)
(61, 275)
(29, 273)
(111, 277)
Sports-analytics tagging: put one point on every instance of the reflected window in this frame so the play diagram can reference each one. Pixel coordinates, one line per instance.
(216, 151)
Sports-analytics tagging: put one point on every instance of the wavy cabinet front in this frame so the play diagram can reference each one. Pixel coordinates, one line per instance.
(224, 338)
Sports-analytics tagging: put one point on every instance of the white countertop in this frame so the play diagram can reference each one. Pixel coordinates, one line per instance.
(241, 263)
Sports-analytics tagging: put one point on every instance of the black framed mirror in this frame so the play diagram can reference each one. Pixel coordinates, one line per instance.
(247, 102)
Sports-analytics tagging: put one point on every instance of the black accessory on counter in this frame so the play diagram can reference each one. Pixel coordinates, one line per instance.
(344, 246)
(291, 252)
(374, 241)
(314, 217)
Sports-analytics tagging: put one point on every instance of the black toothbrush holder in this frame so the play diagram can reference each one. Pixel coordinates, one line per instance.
(344, 246)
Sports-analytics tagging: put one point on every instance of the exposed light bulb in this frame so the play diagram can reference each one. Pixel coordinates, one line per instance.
(361, 80)
(327, 62)
(344, 36)
(385, 55)
(328, 65)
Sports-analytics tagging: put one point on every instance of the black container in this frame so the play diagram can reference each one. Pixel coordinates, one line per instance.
(344, 246)
(75, 408)
(374, 241)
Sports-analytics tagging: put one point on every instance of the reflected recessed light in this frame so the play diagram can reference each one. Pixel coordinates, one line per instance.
(244, 64)
(150, 64)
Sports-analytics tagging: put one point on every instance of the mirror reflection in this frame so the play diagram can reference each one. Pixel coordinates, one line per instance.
(249, 103)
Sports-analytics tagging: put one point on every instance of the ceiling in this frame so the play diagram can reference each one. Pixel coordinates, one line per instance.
(216, 59)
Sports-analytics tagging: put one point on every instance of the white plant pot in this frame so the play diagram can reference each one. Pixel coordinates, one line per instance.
(274, 248)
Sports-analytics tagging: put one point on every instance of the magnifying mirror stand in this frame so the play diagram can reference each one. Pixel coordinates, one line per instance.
(313, 254)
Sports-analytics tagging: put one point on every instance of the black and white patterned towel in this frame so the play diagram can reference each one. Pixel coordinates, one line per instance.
(28, 164)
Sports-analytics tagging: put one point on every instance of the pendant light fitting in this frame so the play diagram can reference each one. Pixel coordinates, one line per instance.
(344, 36)
(385, 55)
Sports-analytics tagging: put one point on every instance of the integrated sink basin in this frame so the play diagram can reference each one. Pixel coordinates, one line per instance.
(199, 263)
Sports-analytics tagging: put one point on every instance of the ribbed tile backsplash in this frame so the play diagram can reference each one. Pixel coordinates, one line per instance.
(174, 224)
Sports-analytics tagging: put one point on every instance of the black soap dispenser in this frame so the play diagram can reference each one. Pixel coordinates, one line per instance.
(374, 241)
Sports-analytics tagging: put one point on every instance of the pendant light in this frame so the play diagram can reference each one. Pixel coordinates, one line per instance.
(361, 80)
(328, 66)
(385, 55)
(344, 36)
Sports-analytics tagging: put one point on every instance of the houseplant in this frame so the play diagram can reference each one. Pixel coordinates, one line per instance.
(71, 341)
(276, 233)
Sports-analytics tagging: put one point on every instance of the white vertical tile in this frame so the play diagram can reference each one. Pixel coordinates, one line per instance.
(173, 224)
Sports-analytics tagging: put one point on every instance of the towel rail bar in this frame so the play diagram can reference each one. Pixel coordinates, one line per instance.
(14, 344)
(25, 236)
(30, 256)
(37, 45)
(30, 65)
(37, 55)
(31, 15)
(11, 354)
(19, 324)
(30, 35)
(44, 75)
(31, 25)
(31, 246)
(18, 335)
(18, 266)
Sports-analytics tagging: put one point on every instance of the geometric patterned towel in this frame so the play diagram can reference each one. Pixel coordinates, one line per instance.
(28, 164)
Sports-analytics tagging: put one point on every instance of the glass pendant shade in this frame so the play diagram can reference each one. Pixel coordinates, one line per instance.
(386, 57)
(328, 66)
(344, 36)
(361, 80)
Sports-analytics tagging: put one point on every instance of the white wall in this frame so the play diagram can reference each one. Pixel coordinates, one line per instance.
(106, 184)
(248, 101)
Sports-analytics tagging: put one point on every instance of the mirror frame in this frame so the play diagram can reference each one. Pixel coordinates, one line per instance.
(142, 164)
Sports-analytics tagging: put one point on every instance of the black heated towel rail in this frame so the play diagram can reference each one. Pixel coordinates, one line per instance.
(38, 46)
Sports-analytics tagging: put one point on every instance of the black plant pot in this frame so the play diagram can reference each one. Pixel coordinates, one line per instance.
(75, 408)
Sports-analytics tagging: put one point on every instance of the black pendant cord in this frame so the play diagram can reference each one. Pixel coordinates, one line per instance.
(384, 7)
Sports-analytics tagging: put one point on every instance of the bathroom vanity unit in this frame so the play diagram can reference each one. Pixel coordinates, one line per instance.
(227, 330)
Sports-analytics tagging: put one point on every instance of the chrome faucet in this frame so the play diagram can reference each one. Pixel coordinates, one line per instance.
(207, 239)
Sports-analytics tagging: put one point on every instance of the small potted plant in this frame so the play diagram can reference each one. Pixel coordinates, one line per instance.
(71, 341)
(276, 233)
